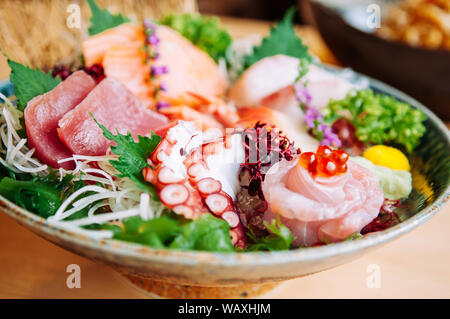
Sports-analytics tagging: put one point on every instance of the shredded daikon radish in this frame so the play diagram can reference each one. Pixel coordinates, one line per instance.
(94, 234)
(103, 218)
(122, 197)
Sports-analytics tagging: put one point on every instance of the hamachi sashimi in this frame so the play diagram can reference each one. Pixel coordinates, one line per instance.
(43, 113)
(269, 82)
(113, 106)
(321, 209)
(119, 50)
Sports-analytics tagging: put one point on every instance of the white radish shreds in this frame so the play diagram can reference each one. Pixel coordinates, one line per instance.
(104, 191)
(17, 156)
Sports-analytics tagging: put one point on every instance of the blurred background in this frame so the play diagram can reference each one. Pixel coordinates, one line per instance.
(405, 43)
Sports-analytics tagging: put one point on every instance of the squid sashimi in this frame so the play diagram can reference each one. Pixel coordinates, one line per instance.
(43, 113)
(119, 50)
(112, 105)
(269, 82)
(195, 176)
(321, 197)
(293, 128)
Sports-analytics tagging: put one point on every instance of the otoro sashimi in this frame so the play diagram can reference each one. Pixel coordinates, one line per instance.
(321, 197)
(115, 107)
(44, 111)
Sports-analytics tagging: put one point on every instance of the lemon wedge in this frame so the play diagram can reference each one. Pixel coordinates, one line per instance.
(387, 156)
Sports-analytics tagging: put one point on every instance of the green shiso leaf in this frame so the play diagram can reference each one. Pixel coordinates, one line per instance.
(132, 155)
(281, 40)
(29, 83)
(102, 19)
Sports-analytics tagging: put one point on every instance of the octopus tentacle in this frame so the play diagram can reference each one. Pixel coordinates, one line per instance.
(186, 184)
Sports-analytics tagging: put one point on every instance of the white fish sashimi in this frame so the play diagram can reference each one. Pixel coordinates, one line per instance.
(321, 209)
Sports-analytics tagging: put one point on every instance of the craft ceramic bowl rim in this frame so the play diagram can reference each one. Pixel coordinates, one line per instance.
(232, 259)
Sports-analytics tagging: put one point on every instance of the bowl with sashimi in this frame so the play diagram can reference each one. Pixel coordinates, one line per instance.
(164, 271)
(218, 172)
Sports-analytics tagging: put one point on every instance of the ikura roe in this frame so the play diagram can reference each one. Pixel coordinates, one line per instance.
(326, 162)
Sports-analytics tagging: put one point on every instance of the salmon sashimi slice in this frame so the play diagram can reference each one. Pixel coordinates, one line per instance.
(321, 209)
(120, 52)
(128, 35)
(43, 113)
(113, 106)
(190, 68)
(126, 65)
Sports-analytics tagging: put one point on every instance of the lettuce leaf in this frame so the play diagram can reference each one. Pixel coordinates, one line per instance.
(379, 118)
(280, 238)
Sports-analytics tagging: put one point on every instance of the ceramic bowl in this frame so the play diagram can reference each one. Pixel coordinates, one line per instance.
(185, 274)
(420, 72)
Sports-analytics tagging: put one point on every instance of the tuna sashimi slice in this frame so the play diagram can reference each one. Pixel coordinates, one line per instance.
(113, 106)
(43, 113)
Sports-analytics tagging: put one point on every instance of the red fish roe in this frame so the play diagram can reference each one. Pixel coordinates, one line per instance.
(326, 162)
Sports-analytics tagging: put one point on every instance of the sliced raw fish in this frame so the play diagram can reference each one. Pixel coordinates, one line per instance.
(320, 209)
(113, 106)
(189, 68)
(269, 82)
(43, 113)
(129, 35)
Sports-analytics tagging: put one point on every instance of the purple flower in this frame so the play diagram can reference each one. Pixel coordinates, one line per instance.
(155, 55)
(329, 137)
(162, 104)
(163, 87)
(153, 39)
(148, 24)
(302, 94)
(159, 70)
(311, 116)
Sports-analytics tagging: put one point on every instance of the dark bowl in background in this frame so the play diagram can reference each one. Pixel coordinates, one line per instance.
(420, 72)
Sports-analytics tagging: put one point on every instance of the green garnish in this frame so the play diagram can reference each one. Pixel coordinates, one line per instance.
(353, 236)
(132, 155)
(204, 32)
(29, 83)
(281, 40)
(102, 19)
(206, 233)
(379, 118)
(280, 238)
(41, 195)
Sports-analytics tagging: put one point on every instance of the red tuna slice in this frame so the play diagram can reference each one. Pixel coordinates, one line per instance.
(43, 113)
(113, 106)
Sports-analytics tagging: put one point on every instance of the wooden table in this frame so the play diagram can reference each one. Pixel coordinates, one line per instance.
(416, 265)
